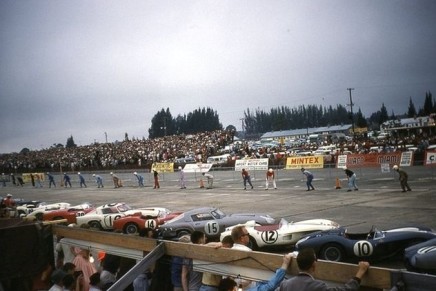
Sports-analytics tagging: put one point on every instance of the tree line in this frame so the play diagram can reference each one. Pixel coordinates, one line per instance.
(281, 118)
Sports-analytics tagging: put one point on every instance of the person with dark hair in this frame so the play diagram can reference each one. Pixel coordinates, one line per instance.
(108, 276)
(227, 284)
(67, 180)
(94, 282)
(309, 178)
(51, 180)
(156, 179)
(246, 178)
(351, 176)
(81, 180)
(305, 281)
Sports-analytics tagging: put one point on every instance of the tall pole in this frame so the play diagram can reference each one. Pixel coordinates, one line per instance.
(352, 115)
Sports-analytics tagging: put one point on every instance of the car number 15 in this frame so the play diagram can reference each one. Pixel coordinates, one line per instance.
(212, 228)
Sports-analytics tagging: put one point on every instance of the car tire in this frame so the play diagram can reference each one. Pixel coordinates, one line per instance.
(332, 252)
(131, 228)
(95, 224)
(182, 233)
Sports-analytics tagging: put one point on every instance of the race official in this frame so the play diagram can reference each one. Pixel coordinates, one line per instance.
(270, 177)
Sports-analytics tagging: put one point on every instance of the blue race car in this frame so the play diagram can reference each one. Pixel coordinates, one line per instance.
(421, 257)
(375, 245)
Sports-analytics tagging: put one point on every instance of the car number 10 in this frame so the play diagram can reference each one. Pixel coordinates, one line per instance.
(363, 248)
(211, 228)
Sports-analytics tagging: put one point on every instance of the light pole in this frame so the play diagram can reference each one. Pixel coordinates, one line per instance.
(352, 115)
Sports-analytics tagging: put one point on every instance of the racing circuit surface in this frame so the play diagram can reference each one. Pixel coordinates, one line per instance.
(378, 202)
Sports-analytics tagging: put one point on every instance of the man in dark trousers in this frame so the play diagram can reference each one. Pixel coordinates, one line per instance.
(403, 178)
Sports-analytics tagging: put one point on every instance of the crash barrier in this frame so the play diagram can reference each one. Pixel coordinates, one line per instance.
(250, 265)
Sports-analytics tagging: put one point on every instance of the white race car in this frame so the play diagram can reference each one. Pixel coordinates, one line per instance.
(284, 234)
(28, 208)
(104, 216)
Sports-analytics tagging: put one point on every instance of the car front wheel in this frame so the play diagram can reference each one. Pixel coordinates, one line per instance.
(131, 228)
(95, 224)
(332, 252)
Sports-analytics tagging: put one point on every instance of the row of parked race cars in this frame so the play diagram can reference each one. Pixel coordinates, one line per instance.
(330, 240)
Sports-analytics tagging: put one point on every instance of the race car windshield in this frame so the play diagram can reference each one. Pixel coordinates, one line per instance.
(218, 213)
(123, 208)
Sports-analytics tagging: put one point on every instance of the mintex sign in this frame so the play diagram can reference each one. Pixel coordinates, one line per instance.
(306, 162)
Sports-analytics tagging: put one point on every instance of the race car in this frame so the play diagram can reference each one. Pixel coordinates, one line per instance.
(104, 216)
(421, 257)
(134, 223)
(26, 208)
(69, 213)
(373, 246)
(283, 234)
(212, 221)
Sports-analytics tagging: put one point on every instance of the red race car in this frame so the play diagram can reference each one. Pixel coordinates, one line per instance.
(134, 223)
(69, 213)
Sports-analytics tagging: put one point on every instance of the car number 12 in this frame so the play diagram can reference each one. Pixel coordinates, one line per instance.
(211, 228)
(269, 237)
(363, 248)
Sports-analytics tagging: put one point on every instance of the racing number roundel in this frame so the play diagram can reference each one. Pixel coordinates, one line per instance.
(269, 237)
(211, 228)
(150, 223)
(363, 248)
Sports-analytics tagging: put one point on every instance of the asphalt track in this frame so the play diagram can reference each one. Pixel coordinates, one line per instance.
(378, 202)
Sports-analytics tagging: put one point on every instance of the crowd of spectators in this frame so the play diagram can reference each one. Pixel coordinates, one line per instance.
(128, 153)
(142, 153)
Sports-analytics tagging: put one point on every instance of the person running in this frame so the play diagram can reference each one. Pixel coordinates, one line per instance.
(309, 178)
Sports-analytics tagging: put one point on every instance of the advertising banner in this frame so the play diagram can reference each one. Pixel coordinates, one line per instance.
(197, 168)
(309, 162)
(430, 158)
(372, 159)
(28, 179)
(251, 164)
(163, 167)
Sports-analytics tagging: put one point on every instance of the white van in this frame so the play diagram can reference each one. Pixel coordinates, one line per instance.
(218, 160)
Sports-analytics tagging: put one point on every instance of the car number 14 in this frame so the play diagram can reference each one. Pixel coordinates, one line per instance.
(363, 248)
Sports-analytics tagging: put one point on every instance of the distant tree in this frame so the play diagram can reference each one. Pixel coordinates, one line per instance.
(360, 119)
(428, 104)
(126, 137)
(392, 117)
(59, 145)
(411, 111)
(70, 143)
(162, 124)
(24, 151)
(383, 114)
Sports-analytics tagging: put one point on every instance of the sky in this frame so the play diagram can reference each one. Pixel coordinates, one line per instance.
(99, 69)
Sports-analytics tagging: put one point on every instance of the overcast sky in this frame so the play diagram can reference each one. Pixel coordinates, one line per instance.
(83, 68)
